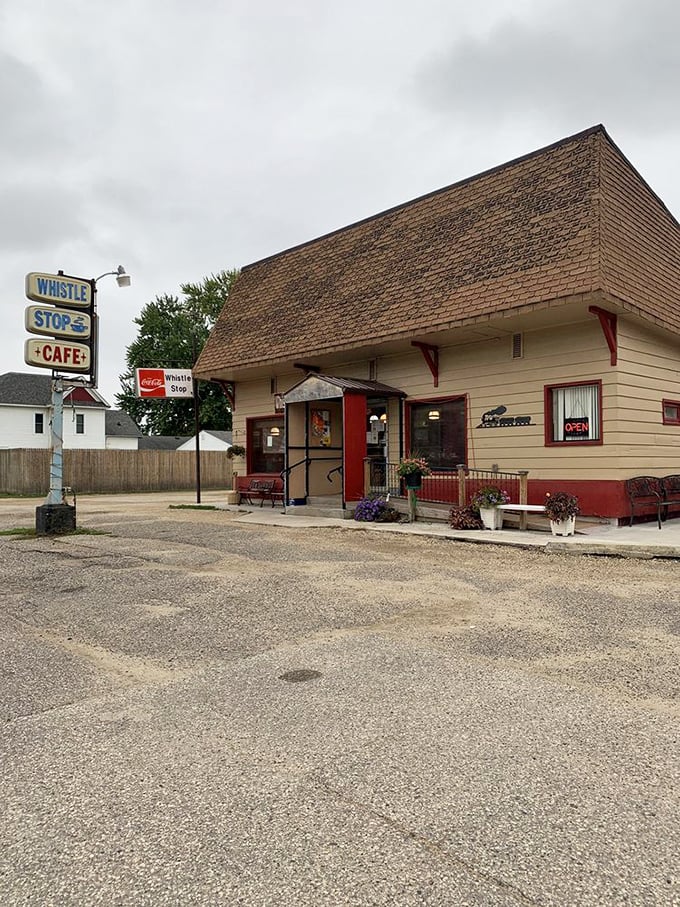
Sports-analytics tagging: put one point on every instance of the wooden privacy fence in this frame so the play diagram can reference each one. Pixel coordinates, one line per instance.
(109, 471)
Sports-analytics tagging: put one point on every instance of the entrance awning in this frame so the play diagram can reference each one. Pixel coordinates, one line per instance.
(326, 387)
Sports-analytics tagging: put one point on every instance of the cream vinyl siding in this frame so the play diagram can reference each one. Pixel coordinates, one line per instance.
(486, 372)
(649, 372)
(635, 439)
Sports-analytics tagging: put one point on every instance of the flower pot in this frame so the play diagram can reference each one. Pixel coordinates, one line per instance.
(491, 517)
(563, 527)
(413, 480)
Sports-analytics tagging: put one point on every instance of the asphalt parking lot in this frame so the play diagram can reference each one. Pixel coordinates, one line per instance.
(478, 725)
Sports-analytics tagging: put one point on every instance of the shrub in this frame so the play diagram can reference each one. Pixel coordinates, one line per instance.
(561, 505)
(464, 518)
(389, 515)
(370, 508)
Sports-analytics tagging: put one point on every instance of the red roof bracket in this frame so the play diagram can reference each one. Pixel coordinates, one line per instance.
(608, 325)
(431, 356)
(229, 390)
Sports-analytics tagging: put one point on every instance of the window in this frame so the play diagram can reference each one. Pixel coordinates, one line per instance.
(671, 412)
(265, 445)
(39, 424)
(80, 423)
(573, 413)
(437, 432)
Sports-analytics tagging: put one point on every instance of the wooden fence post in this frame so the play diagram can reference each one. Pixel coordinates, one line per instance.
(367, 476)
(461, 485)
(523, 494)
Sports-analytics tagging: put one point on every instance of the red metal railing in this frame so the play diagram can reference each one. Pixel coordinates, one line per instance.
(453, 486)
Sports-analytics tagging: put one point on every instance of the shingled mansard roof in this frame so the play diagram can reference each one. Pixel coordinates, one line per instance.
(566, 220)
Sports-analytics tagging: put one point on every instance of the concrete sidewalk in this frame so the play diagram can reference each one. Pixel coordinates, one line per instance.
(643, 540)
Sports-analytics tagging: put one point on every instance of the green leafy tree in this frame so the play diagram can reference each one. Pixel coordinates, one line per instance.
(172, 332)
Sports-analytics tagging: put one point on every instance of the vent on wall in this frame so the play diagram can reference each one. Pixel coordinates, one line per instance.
(373, 370)
(517, 346)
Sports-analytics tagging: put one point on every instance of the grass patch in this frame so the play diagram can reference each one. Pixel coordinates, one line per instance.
(192, 507)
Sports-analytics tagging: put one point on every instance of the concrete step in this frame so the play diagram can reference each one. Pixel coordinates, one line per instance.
(330, 513)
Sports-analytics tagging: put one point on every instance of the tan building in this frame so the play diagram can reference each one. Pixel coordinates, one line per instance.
(527, 317)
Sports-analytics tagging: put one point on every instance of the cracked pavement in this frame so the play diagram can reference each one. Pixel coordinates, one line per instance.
(488, 726)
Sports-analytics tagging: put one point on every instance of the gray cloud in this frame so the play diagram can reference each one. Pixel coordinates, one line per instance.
(615, 61)
(180, 143)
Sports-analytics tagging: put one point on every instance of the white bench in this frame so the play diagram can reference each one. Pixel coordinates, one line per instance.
(524, 510)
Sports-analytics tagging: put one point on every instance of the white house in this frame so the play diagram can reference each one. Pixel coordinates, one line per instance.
(121, 431)
(208, 439)
(25, 412)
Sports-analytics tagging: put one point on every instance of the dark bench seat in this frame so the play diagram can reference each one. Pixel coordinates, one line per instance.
(654, 492)
(262, 490)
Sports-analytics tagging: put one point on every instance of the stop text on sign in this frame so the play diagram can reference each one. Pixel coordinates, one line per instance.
(56, 354)
(58, 322)
(164, 382)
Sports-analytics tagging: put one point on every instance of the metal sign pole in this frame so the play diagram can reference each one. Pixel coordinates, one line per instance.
(197, 429)
(56, 493)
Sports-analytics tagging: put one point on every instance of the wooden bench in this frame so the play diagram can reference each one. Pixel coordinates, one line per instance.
(524, 510)
(262, 490)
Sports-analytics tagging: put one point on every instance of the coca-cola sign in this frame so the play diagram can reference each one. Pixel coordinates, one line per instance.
(164, 382)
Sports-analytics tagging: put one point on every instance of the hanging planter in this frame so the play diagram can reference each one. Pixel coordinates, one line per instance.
(491, 517)
(412, 469)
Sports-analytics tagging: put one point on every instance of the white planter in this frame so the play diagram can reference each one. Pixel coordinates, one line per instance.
(491, 517)
(563, 527)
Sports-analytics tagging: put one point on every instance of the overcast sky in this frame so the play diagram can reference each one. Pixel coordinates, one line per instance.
(179, 138)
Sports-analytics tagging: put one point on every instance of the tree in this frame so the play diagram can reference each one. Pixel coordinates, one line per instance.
(172, 332)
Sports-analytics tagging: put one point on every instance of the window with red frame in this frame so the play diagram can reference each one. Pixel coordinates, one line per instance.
(671, 412)
(264, 447)
(437, 432)
(573, 413)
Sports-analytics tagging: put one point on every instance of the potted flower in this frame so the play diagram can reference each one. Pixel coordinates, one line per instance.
(562, 508)
(412, 469)
(485, 502)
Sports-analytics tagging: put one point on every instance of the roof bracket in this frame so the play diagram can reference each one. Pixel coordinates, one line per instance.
(431, 356)
(229, 390)
(608, 325)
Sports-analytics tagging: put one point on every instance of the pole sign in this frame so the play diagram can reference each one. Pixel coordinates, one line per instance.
(66, 311)
(57, 355)
(164, 382)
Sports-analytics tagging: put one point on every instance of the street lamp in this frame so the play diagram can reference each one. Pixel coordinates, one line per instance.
(122, 278)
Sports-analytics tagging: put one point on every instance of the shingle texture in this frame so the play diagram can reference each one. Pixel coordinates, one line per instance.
(120, 425)
(25, 389)
(566, 220)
